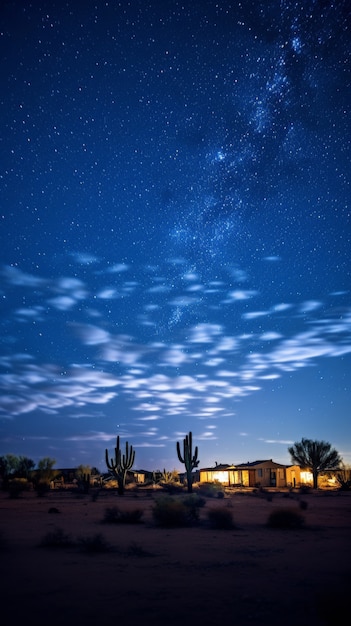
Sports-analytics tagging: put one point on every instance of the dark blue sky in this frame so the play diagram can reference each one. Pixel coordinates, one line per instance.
(175, 228)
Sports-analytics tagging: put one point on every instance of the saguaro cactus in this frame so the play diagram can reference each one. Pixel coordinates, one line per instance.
(189, 459)
(120, 464)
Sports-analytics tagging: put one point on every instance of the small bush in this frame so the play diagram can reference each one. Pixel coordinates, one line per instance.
(193, 503)
(57, 539)
(17, 486)
(221, 518)
(53, 510)
(172, 488)
(135, 549)
(113, 515)
(94, 544)
(171, 513)
(42, 487)
(285, 518)
(210, 490)
(194, 500)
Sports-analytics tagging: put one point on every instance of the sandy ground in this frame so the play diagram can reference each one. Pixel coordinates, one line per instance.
(250, 575)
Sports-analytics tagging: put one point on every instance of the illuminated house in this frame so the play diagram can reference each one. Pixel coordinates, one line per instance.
(264, 473)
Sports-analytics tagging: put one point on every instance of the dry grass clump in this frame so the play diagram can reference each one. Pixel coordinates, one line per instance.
(210, 490)
(221, 518)
(285, 518)
(93, 544)
(135, 549)
(170, 512)
(57, 538)
(114, 515)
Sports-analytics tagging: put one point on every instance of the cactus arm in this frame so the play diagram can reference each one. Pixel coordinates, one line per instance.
(179, 454)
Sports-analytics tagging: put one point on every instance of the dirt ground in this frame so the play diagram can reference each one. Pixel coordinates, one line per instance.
(249, 575)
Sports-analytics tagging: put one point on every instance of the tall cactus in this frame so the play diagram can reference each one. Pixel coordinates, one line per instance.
(120, 464)
(189, 459)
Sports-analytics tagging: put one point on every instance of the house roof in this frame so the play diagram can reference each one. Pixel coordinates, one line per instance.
(219, 467)
(253, 464)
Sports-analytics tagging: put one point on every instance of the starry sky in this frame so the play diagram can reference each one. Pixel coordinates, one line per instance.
(175, 228)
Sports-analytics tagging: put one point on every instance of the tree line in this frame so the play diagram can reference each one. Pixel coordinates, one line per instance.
(311, 455)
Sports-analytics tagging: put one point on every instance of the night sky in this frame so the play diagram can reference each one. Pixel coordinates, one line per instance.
(175, 228)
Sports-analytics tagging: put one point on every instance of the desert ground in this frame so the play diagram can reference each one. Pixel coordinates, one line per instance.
(248, 575)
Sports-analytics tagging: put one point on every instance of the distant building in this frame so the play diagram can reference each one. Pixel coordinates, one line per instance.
(263, 473)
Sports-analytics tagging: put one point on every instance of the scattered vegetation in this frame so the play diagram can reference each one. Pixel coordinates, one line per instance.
(57, 538)
(16, 486)
(135, 549)
(165, 477)
(94, 544)
(114, 515)
(343, 478)
(194, 501)
(42, 487)
(210, 490)
(53, 510)
(170, 512)
(221, 518)
(285, 518)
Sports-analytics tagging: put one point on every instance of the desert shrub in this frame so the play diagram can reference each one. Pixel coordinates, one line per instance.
(210, 490)
(16, 486)
(169, 512)
(305, 489)
(114, 515)
(172, 488)
(194, 500)
(53, 510)
(42, 487)
(93, 544)
(221, 518)
(285, 518)
(135, 549)
(57, 538)
(343, 478)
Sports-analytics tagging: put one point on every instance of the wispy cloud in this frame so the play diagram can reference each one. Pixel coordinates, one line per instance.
(190, 368)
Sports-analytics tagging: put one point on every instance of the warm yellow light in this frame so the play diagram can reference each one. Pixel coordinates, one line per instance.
(306, 477)
(221, 477)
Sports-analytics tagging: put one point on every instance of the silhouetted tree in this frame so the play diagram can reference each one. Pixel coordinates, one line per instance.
(25, 466)
(45, 468)
(315, 456)
(9, 464)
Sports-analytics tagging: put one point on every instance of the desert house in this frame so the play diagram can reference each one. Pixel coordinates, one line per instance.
(263, 473)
